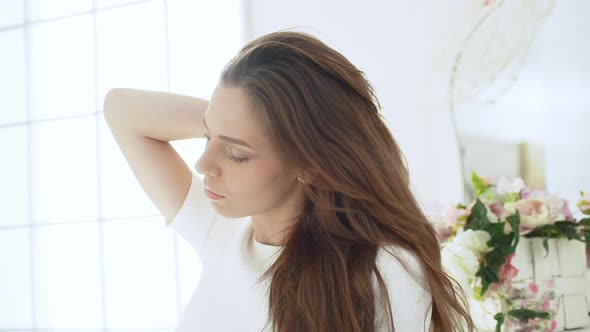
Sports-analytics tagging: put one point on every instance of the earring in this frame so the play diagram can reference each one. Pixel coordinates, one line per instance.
(298, 179)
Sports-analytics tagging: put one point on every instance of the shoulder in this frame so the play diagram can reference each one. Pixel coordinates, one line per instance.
(229, 229)
(406, 283)
(395, 262)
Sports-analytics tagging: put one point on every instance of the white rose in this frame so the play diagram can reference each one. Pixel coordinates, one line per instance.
(461, 263)
(482, 313)
(475, 241)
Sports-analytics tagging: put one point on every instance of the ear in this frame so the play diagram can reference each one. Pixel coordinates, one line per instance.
(307, 175)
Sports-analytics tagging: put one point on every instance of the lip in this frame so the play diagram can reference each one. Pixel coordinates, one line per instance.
(212, 194)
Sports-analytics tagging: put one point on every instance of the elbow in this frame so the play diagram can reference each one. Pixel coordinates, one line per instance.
(111, 102)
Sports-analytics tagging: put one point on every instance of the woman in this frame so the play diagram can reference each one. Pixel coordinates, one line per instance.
(305, 220)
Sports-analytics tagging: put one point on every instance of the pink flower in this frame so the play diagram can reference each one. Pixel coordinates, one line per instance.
(546, 305)
(442, 231)
(497, 208)
(533, 212)
(553, 324)
(550, 283)
(525, 193)
(558, 208)
(565, 210)
(455, 215)
(507, 270)
(532, 289)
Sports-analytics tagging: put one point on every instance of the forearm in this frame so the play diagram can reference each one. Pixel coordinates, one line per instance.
(159, 115)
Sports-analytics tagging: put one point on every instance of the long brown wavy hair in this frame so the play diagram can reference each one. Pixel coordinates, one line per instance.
(322, 114)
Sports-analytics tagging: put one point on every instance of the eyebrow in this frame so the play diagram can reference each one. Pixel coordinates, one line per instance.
(229, 139)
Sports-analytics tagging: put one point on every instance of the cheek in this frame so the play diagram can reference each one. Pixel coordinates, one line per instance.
(265, 185)
(251, 181)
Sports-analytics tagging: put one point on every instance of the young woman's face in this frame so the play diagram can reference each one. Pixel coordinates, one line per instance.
(239, 162)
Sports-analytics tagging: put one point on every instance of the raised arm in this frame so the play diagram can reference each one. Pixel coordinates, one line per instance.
(143, 122)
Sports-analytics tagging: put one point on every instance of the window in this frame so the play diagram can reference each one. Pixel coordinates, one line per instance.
(81, 245)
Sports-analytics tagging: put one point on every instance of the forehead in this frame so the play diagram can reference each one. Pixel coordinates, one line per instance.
(231, 113)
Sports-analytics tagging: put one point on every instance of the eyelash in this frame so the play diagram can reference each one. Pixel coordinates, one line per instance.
(234, 159)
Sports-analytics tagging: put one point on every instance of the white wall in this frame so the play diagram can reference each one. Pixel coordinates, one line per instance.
(405, 48)
(550, 102)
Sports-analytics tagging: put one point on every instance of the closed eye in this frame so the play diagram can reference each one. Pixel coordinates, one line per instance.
(232, 157)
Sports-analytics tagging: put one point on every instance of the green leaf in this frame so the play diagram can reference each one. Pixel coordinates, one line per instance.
(567, 229)
(502, 247)
(526, 314)
(478, 218)
(563, 229)
(478, 184)
(502, 244)
(499, 317)
(512, 197)
(546, 246)
(488, 276)
(514, 221)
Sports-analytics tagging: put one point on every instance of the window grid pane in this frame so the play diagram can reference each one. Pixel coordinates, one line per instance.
(60, 58)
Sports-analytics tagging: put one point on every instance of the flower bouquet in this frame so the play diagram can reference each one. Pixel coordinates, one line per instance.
(491, 248)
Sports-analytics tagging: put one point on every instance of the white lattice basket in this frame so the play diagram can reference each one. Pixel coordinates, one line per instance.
(566, 264)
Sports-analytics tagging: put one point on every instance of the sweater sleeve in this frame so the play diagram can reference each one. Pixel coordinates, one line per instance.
(195, 217)
(411, 304)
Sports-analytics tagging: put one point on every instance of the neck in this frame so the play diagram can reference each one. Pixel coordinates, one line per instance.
(273, 226)
(269, 230)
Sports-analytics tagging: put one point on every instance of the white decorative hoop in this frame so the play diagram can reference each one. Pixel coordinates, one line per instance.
(492, 55)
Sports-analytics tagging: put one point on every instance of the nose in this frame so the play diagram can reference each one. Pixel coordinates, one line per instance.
(206, 164)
